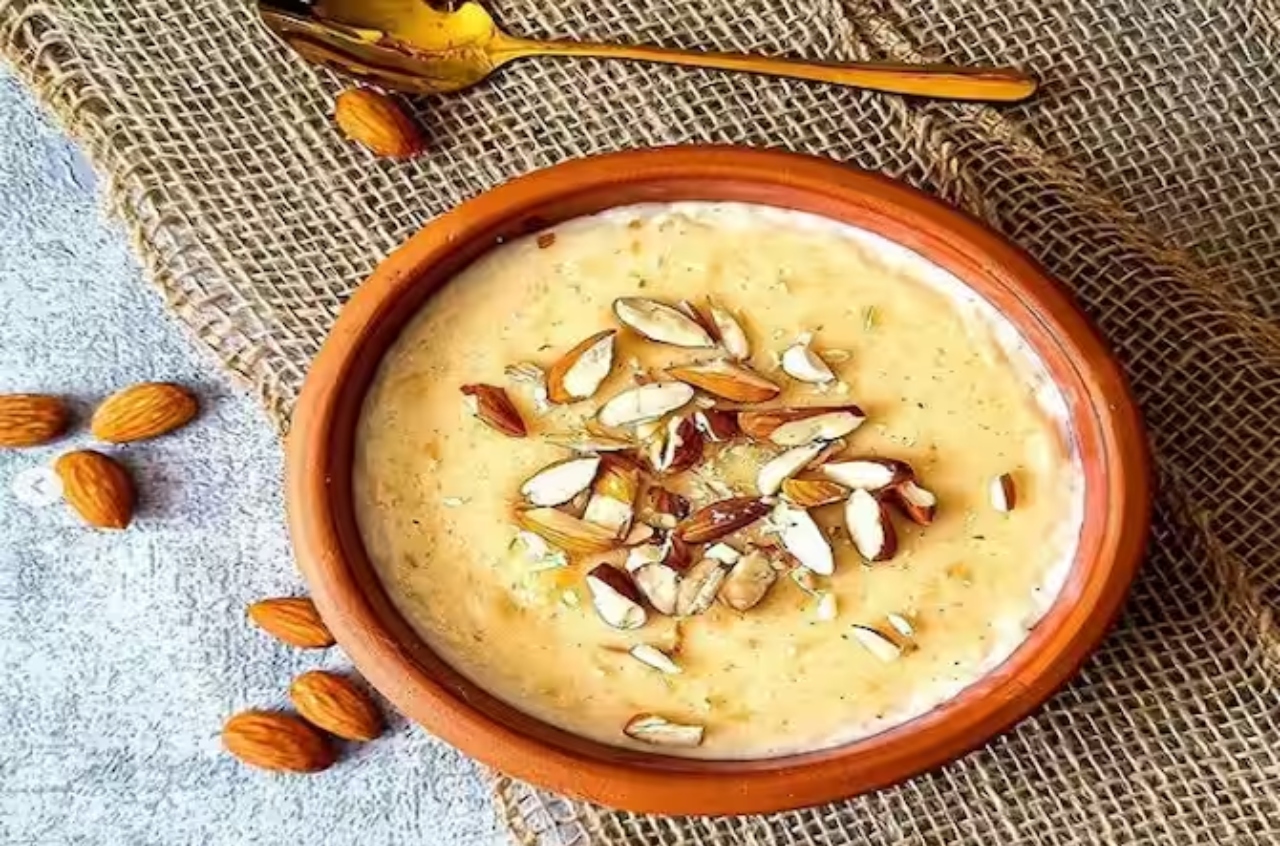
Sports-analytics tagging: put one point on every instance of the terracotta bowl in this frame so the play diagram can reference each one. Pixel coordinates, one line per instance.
(384, 648)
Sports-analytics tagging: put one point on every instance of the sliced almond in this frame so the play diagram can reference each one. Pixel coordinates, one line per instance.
(727, 380)
(699, 587)
(831, 450)
(760, 425)
(723, 553)
(869, 526)
(868, 474)
(716, 425)
(732, 338)
(574, 536)
(590, 443)
(876, 643)
(661, 322)
(681, 448)
(644, 555)
(918, 504)
(579, 372)
(801, 537)
(535, 379)
(660, 585)
(655, 658)
(616, 597)
(638, 534)
(748, 581)
(699, 317)
(813, 493)
(819, 427)
(805, 580)
(492, 407)
(901, 625)
(800, 362)
(613, 495)
(650, 728)
(679, 553)
(827, 608)
(718, 519)
(1004, 495)
(561, 482)
(644, 403)
(663, 509)
(782, 467)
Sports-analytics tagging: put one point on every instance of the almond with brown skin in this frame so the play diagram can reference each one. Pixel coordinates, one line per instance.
(761, 424)
(682, 448)
(378, 122)
(650, 728)
(661, 322)
(869, 527)
(869, 474)
(729, 332)
(813, 493)
(748, 581)
(616, 597)
(660, 584)
(644, 403)
(560, 482)
(28, 420)
(335, 704)
(143, 411)
(699, 587)
(728, 380)
(574, 536)
(803, 538)
(293, 620)
(716, 425)
(718, 519)
(270, 740)
(1004, 494)
(613, 495)
(97, 488)
(700, 317)
(580, 372)
(492, 407)
(920, 505)
(663, 509)
(774, 472)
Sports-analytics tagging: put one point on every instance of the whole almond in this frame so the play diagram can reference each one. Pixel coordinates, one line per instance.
(143, 411)
(377, 121)
(492, 407)
(30, 419)
(97, 488)
(293, 620)
(336, 705)
(274, 741)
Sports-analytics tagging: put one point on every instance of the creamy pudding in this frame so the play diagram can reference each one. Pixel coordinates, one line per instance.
(716, 480)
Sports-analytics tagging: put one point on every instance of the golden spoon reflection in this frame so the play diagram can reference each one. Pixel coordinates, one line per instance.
(409, 46)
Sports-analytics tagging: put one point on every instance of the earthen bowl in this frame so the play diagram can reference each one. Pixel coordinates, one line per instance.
(1104, 423)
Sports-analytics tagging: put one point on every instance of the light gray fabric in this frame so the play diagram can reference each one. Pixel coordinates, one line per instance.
(121, 653)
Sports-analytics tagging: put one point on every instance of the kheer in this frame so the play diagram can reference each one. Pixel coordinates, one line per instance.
(783, 484)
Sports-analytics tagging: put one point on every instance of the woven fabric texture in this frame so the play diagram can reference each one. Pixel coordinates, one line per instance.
(1146, 176)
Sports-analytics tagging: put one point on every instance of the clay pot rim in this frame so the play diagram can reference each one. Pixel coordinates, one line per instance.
(1104, 419)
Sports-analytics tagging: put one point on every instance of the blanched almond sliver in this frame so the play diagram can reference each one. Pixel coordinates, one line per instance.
(561, 482)
(869, 474)
(655, 658)
(650, 728)
(644, 403)
(777, 470)
(615, 597)
(876, 643)
(699, 587)
(661, 322)
(732, 338)
(869, 526)
(579, 373)
(748, 581)
(820, 427)
(565, 531)
(802, 363)
(918, 504)
(802, 538)
(660, 585)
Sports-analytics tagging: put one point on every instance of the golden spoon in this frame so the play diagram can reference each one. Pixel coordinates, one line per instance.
(409, 46)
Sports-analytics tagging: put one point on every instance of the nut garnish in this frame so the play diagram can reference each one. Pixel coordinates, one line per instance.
(901, 625)
(143, 411)
(728, 380)
(561, 482)
(589, 443)
(827, 608)
(777, 470)
(644, 555)
(574, 536)
(716, 425)
(803, 364)
(378, 122)
(579, 372)
(97, 487)
(876, 643)
(761, 424)
(868, 474)
(732, 338)
(28, 420)
(638, 534)
(718, 519)
(650, 728)
(723, 553)
(681, 448)
(819, 427)
(748, 582)
(613, 495)
(1004, 495)
(801, 537)
(270, 740)
(663, 509)
(491, 406)
(813, 493)
(655, 658)
(918, 504)
(699, 587)
(661, 322)
(869, 526)
(644, 403)
(700, 317)
(660, 585)
(293, 620)
(333, 703)
(616, 597)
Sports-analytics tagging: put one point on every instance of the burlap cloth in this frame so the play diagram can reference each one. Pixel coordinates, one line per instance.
(1146, 176)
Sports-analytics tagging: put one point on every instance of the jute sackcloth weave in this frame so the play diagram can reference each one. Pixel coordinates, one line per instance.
(1146, 176)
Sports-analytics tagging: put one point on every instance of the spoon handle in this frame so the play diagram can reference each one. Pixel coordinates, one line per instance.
(949, 82)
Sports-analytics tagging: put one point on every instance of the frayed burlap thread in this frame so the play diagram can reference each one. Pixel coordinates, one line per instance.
(1146, 176)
